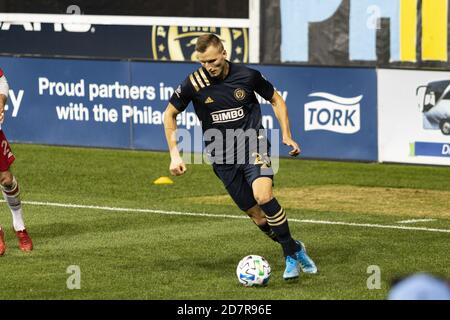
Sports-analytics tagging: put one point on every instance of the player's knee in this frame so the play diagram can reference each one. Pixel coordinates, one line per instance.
(258, 218)
(263, 198)
(260, 221)
(256, 214)
(6, 178)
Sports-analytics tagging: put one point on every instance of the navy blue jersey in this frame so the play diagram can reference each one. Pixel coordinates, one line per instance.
(228, 104)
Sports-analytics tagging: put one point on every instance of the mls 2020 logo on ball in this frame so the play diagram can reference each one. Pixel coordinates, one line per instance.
(253, 270)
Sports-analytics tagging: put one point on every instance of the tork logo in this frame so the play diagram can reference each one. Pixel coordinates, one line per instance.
(333, 113)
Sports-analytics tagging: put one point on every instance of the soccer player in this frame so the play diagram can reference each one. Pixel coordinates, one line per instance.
(223, 95)
(8, 183)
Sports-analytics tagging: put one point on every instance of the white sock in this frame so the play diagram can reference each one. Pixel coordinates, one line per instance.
(12, 197)
(18, 222)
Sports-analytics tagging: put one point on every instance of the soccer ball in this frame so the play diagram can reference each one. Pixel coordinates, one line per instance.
(253, 270)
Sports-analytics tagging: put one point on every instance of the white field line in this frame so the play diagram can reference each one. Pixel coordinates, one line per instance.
(210, 215)
(416, 220)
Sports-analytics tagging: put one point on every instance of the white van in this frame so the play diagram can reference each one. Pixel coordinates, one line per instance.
(434, 103)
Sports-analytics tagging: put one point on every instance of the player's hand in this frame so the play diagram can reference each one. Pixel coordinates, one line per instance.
(177, 167)
(295, 147)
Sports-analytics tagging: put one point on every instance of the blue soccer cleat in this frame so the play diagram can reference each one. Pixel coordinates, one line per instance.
(305, 262)
(292, 269)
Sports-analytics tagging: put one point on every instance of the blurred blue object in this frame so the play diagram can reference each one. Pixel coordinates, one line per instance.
(420, 286)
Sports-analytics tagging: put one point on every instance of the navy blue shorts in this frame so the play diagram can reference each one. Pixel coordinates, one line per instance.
(238, 179)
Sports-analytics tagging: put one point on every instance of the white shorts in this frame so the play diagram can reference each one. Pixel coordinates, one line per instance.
(4, 87)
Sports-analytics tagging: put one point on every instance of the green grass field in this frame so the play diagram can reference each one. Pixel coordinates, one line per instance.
(148, 255)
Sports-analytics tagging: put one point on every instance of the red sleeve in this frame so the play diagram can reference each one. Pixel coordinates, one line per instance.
(1, 73)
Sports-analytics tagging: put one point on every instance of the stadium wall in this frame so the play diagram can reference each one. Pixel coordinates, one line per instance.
(121, 37)
(119, 104)
(409, 34)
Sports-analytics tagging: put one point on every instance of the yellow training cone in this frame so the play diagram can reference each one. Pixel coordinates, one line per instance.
(163, 180)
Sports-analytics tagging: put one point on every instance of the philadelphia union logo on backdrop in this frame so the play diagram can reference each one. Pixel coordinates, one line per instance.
(178, 43)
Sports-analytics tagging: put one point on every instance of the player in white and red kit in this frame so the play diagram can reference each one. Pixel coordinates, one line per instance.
(8, 183)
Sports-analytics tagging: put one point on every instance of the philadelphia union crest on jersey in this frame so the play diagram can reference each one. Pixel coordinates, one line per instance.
(178, 43)
(239, 94)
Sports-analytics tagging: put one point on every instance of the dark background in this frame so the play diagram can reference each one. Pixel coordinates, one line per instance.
(172, 8)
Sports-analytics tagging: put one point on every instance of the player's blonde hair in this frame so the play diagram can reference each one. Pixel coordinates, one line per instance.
(206, 40)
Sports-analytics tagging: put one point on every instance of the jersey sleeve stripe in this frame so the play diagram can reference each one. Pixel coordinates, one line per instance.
(200, 82)
(204, 77)
(191, 77)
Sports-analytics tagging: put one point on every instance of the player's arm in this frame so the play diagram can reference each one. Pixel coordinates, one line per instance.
(177, 166)
(266, 90)
(280, 110)
(179, 101)
(4, 88)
